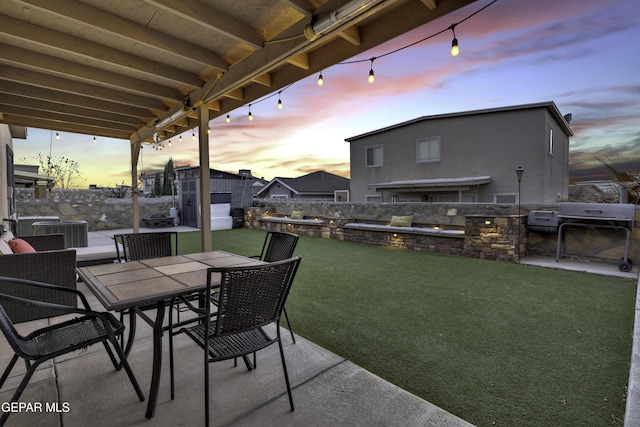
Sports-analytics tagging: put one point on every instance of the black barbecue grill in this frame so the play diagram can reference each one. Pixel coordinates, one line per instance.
(597, 215)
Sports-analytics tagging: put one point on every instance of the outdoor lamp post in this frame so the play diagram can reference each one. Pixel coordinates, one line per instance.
(519, 172)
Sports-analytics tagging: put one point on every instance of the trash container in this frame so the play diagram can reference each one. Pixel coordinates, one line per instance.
(238, 217)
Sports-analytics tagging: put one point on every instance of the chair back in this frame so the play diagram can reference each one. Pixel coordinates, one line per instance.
(278, 246)
(139, 246)
(254, 296)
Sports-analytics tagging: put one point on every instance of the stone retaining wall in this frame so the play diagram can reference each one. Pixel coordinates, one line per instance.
(97, 207)
(491, 231)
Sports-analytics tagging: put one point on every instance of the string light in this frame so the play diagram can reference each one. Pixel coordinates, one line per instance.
(193, 136)
(454, 52)
(371, 78)
(57, 135)
(180, 139)
(454, 44)
(169, 143)
(94, 140)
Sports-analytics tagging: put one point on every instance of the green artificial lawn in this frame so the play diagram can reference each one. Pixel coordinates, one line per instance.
(492, 342)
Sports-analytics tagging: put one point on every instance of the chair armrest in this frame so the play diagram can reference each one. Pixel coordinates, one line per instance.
(41, 285)
(45, 242)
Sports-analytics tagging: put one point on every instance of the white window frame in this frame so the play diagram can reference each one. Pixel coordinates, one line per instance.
(435, 140)
(366, 156)
(377, 197)
(550, 142)
(279, 196)
(497, 195)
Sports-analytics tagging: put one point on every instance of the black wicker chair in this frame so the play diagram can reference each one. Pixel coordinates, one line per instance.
(249, 299)
(276, 247)
(138, 247)
(52, 263)
(43, 344)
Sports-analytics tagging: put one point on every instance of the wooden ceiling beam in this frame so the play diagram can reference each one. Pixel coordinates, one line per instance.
(431, 4)
(104, 78)
(65, 44)
(46, 94)
(85, 15)
(211, 19)
(65, 126)
(91, 91)
(56, 107)
(62, 117)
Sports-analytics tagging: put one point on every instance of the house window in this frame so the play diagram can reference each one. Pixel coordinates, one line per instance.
(508, 198)
(374, 156)
(551, 142)
(279, 196)
(373, 199)
(428, 150)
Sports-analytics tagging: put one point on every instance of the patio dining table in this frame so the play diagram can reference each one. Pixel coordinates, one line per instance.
(136, 284)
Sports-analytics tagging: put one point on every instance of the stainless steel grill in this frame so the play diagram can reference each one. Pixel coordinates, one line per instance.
(597, 215)
(543, 221)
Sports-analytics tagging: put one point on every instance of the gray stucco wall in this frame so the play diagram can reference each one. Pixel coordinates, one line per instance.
(490, 144)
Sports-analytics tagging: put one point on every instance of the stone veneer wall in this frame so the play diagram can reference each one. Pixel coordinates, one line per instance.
(491, 231)
(97, 207)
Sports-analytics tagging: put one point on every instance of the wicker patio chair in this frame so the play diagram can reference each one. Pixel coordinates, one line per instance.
(43, 344)
(276, 247)
(51, 263)
(137, 247)
(249, 299)
(140, 246)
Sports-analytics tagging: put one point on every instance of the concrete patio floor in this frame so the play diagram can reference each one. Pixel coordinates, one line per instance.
(327, 389)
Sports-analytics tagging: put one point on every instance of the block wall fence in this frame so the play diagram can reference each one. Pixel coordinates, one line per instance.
(491, 231)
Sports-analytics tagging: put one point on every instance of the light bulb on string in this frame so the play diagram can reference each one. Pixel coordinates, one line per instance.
(193, 136)
(228, 119)
(94, 140)
(169, 143)
(250, 115)
(455, 50)
(279, 102)
(180, 139)
(320, 80)
(371, 78)
(57, 135)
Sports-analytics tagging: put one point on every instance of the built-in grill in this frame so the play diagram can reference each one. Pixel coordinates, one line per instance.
(597, 215)
(543, 221)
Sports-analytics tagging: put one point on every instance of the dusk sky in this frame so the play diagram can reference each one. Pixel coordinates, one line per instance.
(581, 54)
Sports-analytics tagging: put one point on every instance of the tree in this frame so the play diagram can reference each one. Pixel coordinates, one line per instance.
(167, 178)
(64, 170)
(157, 186)
(163, 182)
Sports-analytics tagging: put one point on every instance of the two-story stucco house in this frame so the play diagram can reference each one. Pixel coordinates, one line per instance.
(466, 157)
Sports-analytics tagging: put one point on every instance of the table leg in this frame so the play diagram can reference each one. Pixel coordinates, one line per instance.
(157, 360)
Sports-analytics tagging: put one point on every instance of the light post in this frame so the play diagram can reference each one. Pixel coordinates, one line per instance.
(519, 172)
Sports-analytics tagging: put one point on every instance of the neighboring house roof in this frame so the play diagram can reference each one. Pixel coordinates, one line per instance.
(550, 105)
(437, 182)
(30, 178)
(315, 183)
